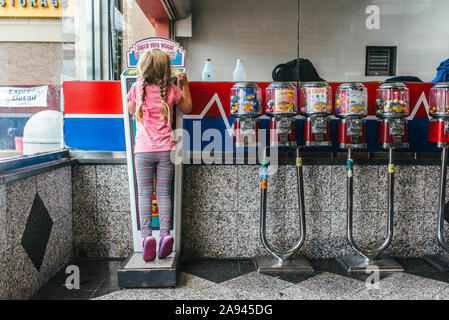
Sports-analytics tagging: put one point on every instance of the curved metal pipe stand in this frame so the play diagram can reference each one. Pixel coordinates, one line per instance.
(282, 261)
(369, 257)
(441, 262)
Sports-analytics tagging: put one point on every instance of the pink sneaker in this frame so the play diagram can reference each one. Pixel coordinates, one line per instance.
(149, 248)
(165, 246)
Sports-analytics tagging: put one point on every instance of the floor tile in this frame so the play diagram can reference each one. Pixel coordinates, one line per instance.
(215, 292)
(257, 285)
(403, 286)
(135, 294)
(218, 270)
(325, 286)
(442, 295)
(331, 265)
(97, 277)
(236, 279)
(188, 286)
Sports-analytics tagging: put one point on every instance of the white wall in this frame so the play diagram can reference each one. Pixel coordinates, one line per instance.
(333, 36)
(261, 32)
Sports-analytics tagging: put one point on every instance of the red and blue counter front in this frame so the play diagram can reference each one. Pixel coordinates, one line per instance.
(94, 117)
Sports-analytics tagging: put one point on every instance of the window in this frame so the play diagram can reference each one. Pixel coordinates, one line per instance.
(40, 48)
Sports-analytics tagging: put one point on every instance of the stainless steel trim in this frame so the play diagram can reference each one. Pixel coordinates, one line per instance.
(10, 164)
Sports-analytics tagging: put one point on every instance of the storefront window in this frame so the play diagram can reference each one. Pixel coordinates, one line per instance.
(40, 48)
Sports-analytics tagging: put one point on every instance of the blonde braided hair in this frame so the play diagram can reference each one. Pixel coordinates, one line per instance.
(154, 68)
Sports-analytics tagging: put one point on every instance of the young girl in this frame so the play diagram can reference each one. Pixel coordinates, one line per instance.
(152, 99)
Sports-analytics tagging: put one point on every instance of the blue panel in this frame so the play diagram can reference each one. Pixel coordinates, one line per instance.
(100, 134)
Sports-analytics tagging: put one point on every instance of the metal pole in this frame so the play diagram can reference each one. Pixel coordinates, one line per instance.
(367, 253)
(442, 199)
(282, 256)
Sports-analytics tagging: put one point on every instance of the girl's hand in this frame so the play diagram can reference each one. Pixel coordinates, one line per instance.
(182, 77)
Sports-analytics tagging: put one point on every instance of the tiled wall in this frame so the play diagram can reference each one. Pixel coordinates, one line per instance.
(261, 32)
(35, 231)
(101, 211)
(221, 210)
(333, 36)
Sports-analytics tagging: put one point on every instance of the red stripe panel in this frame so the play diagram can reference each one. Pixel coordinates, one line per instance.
(92, 97)
(202, 93)
(104, 97)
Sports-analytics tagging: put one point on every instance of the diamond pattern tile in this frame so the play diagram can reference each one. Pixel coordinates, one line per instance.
(37, 232)
(204, 279)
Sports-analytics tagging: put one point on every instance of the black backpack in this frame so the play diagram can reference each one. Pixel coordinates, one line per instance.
(296, 70)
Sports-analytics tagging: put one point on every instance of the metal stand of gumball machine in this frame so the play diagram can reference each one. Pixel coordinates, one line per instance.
(246, 109)
(439, 134)
(282, 108)
(392, 109)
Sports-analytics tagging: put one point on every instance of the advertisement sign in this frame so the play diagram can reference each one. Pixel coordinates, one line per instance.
(24, 97)
(34, 8)
(172, 48)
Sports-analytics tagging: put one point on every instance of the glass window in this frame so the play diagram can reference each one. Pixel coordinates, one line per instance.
(42, 47)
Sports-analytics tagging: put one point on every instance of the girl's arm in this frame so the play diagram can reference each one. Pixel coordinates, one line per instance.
(131, 107)
(185, 104)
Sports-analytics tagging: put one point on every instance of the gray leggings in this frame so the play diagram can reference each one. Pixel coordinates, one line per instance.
(147, 164)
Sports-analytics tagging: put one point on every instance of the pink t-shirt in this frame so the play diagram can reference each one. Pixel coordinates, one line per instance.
(153, 134)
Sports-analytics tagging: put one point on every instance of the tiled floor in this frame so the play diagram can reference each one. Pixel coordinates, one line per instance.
(237, 280)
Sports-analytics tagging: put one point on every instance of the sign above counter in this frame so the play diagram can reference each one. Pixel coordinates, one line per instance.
(34, 8)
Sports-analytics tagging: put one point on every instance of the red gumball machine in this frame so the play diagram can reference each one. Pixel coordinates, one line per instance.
(316, 107)
(246, 100)
(351, 106)
(392, 101)
(282, 109)
(392, 109)
(439, 111)
(439, 134)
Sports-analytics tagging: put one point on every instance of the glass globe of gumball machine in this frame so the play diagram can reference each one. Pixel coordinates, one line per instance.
(351, 106)
(316, 107)
(281, 107)
(439, 134)
(392, 102)
(439, 112)
(246, 100)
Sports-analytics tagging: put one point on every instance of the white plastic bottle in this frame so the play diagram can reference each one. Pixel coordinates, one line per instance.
(239, 73)
(208, 72)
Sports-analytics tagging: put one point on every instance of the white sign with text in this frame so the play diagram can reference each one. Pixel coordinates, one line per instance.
(24, 97)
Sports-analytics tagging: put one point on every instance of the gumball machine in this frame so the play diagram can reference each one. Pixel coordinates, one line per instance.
(351, 106)
(246, 100)
(316, 107)
(282, 108)
(392, 109)
(392, 102)
(439, 112)
(439, 134)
